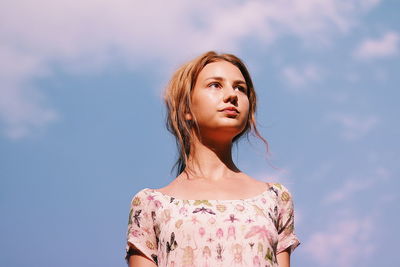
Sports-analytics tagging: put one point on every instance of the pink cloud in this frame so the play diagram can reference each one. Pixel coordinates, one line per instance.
(87, 36)
(301, 76)
(354, 126)
(351, 187)
(387, 45)
(344, 243)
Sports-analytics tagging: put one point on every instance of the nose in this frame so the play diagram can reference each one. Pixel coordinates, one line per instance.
(231, 96)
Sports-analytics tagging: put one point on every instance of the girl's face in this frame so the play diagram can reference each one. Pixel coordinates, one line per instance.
(219, 100)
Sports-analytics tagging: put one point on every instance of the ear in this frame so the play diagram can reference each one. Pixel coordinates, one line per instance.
(188, 116)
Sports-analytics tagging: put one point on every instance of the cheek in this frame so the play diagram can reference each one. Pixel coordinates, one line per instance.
(206, 100)
(205, 103)
(246, 105)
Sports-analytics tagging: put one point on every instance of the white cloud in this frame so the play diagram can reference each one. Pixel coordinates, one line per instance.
(301, 76)
(387, 45)
(21, 105)
(346, 242)
(86, 36)
(353, 126)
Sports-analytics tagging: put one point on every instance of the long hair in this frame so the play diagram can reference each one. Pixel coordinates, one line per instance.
(177, 98)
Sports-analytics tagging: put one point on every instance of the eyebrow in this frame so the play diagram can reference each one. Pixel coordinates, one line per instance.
(222, 79)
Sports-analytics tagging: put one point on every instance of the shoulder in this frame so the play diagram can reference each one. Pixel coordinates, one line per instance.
(172, 188)
(281, 191)
(280, 187)
(253, 181)
(141, 193)
(143, 197)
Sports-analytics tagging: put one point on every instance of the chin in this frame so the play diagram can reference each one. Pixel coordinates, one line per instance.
(234, 128)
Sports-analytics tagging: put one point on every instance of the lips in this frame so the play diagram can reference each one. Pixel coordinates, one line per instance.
(230, 109)
(230, 112)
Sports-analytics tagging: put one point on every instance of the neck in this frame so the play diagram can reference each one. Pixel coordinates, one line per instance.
(211, 160)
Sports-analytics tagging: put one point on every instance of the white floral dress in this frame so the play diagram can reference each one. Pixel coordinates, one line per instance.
(200, 233)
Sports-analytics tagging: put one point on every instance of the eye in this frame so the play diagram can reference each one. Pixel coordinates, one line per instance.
(215, 84)
(241, 88)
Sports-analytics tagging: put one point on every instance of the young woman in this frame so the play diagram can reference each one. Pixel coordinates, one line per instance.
(211, 214)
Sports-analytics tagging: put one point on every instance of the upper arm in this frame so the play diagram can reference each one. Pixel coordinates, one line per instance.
(138, 259)
(283, 258)
(287, 239)
(142, 239)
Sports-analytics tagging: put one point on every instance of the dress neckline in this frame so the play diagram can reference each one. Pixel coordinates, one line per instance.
(214, 200)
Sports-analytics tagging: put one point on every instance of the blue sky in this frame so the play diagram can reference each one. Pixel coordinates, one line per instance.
(82, 119)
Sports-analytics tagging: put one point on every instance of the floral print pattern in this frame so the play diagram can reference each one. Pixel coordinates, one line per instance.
(201, 233)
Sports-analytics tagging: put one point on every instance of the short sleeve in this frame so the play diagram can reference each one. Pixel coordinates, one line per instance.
(141, 230)
(286, 234)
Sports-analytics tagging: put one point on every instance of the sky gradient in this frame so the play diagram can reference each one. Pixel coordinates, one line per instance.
(82, 119)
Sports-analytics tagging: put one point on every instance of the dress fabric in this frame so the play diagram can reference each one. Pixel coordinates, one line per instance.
(200, 233)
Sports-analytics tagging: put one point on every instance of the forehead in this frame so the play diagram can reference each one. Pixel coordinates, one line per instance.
(222, 69)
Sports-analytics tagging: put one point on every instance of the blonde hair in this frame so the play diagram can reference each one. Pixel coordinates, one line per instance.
(177, 98)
